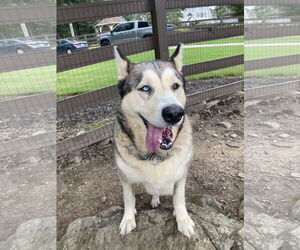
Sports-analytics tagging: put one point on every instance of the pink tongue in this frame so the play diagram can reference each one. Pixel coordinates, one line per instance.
(154, 134)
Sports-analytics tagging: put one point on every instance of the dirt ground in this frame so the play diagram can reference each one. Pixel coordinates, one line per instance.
(272, 173)
(85, 187)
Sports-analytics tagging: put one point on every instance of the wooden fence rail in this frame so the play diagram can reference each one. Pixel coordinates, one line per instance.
(92, 98)
(92, 11)
(106, 132)
(28, 13)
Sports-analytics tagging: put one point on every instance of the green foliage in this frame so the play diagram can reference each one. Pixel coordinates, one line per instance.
(10, 31)
(290, 10)
(71, 2)
(229, 10)
(262, 11)
(63, 31)
(173, 16)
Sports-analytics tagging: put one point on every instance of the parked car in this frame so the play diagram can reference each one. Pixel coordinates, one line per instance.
(17, 46)
(68, 46)
(128, 31)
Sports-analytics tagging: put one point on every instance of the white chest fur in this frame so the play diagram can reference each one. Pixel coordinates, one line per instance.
(157, 179)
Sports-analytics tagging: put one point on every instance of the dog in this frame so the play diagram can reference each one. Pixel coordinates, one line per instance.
(153, 135)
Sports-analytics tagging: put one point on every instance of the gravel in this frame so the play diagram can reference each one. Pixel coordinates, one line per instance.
(70, 125)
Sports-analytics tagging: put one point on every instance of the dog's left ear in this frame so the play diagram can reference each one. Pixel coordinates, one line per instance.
(123, 64)
(177, 57)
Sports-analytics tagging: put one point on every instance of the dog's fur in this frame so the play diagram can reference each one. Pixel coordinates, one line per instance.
(163, 172)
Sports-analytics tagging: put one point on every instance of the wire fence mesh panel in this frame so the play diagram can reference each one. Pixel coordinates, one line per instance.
(272, 84)
(27, 124)
(87, 78)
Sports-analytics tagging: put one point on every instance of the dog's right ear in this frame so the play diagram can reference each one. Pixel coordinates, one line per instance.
(123, 64)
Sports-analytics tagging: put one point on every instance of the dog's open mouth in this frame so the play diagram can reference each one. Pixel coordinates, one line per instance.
(158, 138)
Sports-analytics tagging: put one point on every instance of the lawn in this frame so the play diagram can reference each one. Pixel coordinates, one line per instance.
(29, 81)
(104, 74)
(286, 39)
(268, 51)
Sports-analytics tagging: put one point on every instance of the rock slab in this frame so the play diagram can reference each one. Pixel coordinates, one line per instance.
(156, 229)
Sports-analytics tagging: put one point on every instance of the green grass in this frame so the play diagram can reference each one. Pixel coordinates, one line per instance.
(104, 74)
(29, 81)
(236, 39)
(283, 71)
(285, 39)
(268, 51)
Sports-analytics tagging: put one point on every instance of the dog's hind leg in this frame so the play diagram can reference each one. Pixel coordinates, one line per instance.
(184, 222)
(128, 221)
(155, 201)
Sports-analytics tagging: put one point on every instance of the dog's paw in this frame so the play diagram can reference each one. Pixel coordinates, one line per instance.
(186, 226)
(155, 201)
(127, 225)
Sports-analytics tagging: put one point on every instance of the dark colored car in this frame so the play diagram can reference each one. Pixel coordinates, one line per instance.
(68, 46)
(17, 46)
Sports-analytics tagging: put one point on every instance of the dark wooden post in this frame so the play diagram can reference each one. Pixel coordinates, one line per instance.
(159, 24)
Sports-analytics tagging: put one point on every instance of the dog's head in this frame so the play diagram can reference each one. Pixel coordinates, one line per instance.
(153, 92)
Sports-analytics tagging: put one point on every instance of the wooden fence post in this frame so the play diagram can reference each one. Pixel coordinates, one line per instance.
(159, 25)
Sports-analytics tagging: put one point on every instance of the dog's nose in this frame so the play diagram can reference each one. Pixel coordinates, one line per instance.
(172, 114)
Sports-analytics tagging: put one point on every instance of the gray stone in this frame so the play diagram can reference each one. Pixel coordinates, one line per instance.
(270, 124)
(233, 144)
(80, 132)
(296, 175)
(103, 199)
(266, 232)
(37, 233)
(284, 135)
(211, 133)
(212, 103)
(295, 211)
(156, 229)
(225, 124)
(39, 132)
(233, 135)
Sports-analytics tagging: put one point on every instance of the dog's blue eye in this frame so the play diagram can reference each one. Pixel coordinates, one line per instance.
(145, 88)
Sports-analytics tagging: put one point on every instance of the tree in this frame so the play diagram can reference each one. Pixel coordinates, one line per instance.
(229, 10)
(173, 16)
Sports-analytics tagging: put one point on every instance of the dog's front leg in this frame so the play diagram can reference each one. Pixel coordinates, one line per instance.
(184, 222)
(128, 221)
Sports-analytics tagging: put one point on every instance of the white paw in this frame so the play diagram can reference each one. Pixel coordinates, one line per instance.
(127, 225)
(155, 201)
(186, 226)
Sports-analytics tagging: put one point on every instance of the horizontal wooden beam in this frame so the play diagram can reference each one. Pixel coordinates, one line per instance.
(259, 31)
(272, 62)
(86, 100)
(27, 104)
(28, 144)
(206, 34)
(92, 56)
(99, 134)
(94, 11)
(27, 60)
(28, 13)
(179, 4)
(95, 97)
(272, 89)
(270, 2)
(201, 67)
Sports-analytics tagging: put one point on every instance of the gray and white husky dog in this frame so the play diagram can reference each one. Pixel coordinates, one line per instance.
(153, 135)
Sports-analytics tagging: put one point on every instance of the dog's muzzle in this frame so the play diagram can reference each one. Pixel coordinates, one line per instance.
(172, 114)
